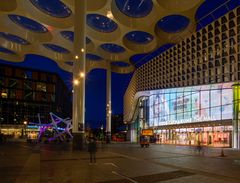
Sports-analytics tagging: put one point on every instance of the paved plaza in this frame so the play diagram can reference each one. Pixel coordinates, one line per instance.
(116, 163)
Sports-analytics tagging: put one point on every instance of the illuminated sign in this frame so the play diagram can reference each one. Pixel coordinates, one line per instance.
(32, 127)
(191, 104)
(147, 132)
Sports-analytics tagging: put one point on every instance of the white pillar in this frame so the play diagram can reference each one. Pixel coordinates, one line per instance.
(108, 98)
(78, 117)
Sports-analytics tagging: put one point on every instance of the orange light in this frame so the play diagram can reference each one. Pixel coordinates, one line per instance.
(82, 74)
(75, 82)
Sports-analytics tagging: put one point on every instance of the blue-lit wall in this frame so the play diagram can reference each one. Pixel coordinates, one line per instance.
(191, 104)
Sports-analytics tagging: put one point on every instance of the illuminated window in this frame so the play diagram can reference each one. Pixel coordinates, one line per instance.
(4, 94)
(41, 87)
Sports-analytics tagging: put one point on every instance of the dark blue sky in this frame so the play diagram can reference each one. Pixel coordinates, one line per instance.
(95, 87)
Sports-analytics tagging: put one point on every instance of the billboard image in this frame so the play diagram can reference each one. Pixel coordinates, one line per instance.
(191, 104)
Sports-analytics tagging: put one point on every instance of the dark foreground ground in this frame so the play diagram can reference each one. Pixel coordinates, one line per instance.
(116, 163)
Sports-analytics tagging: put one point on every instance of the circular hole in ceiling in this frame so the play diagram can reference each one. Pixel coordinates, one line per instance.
(28, 23)
(135, 8)
(112, 48)
(139, 37)
(69, 63)
(56, 48)
(55, 8)
(13, 38)
(173, 23)
(101, 23)
(93, 57)
(7, 51)
(69, 35)
(120, 64)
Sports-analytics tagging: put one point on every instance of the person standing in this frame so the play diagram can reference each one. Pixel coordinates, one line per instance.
(92, 149)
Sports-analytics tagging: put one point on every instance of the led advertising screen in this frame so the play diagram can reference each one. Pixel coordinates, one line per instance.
(192, 104)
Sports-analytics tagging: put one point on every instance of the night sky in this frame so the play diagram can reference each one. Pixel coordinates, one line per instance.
(95, 87)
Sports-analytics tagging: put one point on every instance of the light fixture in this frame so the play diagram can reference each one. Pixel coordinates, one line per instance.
(82, 50)
(75, 82)
(82, 74)
(76, 56)
(4, 94)
(110, 15)
(25, 122)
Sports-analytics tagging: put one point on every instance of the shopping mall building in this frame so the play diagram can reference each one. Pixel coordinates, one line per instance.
(190, 92)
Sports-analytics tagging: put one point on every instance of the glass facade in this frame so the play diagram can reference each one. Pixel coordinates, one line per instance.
(191, 104)
(215, 136)
(26, 93)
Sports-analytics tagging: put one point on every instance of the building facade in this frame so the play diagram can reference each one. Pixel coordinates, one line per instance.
(205, 63)
(25, 93)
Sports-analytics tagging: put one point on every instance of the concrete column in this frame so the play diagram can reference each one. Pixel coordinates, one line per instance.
(108, 102)
(236, 108)
(78, 117)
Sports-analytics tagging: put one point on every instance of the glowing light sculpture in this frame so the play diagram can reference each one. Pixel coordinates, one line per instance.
(55, 121)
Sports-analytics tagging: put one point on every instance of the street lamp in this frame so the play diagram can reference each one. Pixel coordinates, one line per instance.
(75, 82)
(101, 135)
(25, 128)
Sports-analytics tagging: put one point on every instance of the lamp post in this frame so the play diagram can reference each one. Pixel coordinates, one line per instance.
(25, 128)
(101, 134)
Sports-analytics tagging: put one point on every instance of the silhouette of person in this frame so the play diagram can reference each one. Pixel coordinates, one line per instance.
(199, 146)
(92, 149)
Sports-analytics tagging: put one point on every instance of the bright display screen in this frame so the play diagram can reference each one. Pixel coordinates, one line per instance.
(191, 104)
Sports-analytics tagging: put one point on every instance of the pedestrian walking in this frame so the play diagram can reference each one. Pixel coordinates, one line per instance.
(199, 146)
(92, 149)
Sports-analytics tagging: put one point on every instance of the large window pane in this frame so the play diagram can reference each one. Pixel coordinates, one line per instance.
(187, 103)
(195, 100)
(187, 115)
(172, 103)
(227, 108)
(204, 105)
(215, 98)
(216, 113)
(163, 107)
